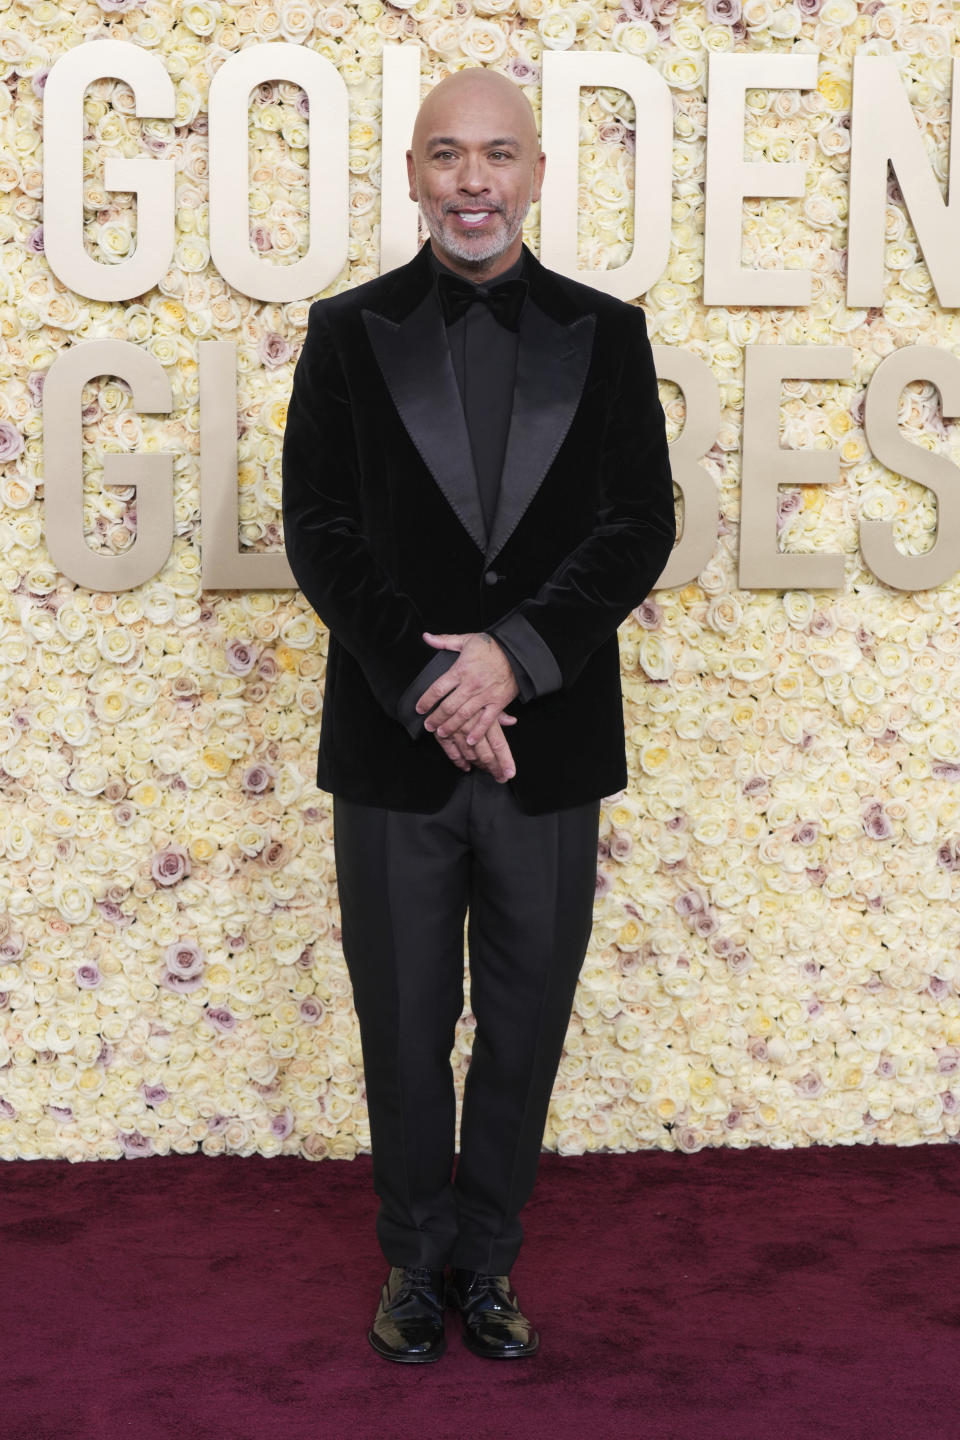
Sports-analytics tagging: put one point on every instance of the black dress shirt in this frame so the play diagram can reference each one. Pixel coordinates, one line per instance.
(484, 357)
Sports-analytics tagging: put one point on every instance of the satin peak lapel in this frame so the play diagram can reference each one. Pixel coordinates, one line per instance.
(414, 359)
(552, 364)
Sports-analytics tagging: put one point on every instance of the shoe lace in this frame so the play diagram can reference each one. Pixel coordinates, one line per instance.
(484, 1286)
(481, 1281)
(419, 1278)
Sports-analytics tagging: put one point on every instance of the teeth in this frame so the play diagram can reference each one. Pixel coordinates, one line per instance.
(475, 219)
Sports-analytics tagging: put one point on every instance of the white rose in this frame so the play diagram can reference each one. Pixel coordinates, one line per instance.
(200, 16)
(558, 29)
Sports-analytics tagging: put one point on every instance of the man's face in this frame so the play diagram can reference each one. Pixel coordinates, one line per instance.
(475, 169)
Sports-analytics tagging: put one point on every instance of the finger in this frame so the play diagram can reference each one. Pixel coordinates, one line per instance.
(440, 688)
(494, 749)
(455, 713)
(462, 706)
(452, 752)
(504, 719)
(498, 744)
(456, 744)
(481, 723)
(445, 642)
(488, 761)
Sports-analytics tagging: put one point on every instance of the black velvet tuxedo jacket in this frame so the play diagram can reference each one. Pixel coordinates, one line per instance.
(386, 538)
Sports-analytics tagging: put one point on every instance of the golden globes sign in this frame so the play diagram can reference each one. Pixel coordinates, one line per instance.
(883, 131)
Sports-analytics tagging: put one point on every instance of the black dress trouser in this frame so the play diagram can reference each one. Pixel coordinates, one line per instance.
(407, 881)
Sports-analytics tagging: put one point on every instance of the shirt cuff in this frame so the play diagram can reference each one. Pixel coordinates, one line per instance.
(407, 704)
(531, 658)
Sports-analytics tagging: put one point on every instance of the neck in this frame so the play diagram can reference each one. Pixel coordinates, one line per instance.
(480, 271)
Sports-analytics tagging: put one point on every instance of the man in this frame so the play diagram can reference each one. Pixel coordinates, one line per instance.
(476, 494)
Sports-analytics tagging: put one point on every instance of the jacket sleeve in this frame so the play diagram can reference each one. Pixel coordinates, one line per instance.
(329, 555)
(615, 567)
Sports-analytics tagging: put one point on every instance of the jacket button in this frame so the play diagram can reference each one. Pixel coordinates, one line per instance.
(491, 577)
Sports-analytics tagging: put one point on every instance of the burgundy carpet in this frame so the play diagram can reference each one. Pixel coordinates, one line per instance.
(727, 1295)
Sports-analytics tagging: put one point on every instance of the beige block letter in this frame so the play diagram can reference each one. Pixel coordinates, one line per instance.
(564, 74)
(230, 172)
(63, 467)
(224, 565)
(151, 180)
(701, 506)
(941, 562)
(884, 130)
(767, 466)
(730, 178)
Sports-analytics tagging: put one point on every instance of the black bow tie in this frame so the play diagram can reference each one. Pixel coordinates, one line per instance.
(504, 300)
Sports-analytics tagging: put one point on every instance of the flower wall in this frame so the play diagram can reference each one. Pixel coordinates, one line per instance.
(774, 958)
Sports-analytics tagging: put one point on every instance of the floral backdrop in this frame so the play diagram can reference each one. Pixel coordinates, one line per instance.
(774, 958)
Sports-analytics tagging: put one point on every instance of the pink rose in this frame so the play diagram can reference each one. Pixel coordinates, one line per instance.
(135, 1145)
(241, 657)
(689, 903)
(523, 71)
(788, 502)
(724, 12)
(12, 947)
(11, 441)
(170, 866)
(275, 855)
(274, 350)
(257, 778)
(185, 958)
(876, 822)
(282, 1125)
(221, 1019)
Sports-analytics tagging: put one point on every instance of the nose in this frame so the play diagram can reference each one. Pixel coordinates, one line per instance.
(473, 178)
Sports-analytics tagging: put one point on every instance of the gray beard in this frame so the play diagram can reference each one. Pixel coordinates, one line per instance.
(480, 253)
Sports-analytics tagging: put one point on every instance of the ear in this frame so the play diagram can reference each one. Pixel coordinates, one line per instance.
(539, 165)
(412, 176)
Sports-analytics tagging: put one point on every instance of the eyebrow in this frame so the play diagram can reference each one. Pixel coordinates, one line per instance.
(452, 140)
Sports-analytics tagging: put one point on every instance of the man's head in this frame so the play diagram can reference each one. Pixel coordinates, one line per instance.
(475, 166)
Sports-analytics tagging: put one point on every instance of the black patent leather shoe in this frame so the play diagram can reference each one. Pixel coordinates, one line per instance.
(493, 1324)
(408, 1325)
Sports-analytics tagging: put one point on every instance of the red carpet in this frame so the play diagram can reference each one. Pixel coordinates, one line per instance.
(727, 1295)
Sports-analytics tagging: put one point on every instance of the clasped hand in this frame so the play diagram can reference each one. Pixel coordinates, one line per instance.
(464, 707)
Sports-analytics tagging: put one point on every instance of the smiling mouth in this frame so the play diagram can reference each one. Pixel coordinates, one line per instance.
(472, 218)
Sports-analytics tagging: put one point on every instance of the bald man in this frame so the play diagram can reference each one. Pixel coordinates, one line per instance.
(476, 493)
